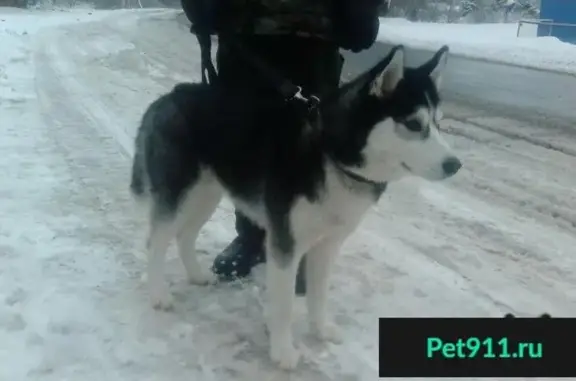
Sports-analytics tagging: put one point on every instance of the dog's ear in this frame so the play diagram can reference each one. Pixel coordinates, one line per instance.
(509, 316)
(390, 75)
(435, 67)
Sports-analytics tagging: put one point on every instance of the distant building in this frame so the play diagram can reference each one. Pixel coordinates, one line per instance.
(558, 19)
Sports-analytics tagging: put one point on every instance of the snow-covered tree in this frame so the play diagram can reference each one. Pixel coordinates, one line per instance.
(468, 6)
(463, 10)
(497, 10)
(528, 9)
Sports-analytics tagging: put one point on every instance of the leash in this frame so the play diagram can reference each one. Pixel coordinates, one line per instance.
(208, 72)
(289, 91)
(209, 75)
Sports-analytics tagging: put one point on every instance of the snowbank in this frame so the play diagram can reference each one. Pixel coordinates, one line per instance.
(492, 42)
(23, 21)
(32, 20)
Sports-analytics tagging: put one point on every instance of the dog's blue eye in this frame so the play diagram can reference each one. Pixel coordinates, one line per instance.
(413, 125)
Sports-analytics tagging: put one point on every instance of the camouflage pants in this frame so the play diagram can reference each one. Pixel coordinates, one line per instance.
(314, 64)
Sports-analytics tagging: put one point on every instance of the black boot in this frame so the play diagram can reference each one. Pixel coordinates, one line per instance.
(243, 253)
(247, 251)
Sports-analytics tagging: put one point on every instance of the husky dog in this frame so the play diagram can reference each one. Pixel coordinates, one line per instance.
(308, 184)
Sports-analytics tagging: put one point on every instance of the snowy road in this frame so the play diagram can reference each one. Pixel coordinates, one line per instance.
(498, 238)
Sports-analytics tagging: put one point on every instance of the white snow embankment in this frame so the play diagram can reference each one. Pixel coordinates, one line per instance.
(489, 42)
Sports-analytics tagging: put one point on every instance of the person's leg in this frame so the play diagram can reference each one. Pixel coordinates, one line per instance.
(247, 249)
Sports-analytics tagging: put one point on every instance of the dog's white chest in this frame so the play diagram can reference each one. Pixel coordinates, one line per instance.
(338, 208)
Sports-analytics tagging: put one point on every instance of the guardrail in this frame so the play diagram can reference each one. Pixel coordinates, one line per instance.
(547, 22)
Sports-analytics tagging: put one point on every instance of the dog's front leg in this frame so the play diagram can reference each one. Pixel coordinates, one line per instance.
(281, 267)
(319, 263)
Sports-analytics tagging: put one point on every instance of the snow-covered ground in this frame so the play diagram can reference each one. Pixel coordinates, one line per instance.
(492, 42)
(497, 238)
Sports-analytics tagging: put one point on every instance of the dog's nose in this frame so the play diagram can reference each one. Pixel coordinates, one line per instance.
(451, 166)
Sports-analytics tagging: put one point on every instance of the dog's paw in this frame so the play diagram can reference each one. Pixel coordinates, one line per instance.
(285, 356)
(162, 300)
(202, 278)
(327, 332)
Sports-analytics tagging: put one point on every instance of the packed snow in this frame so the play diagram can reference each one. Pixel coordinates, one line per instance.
(497, 238)
(492, 42)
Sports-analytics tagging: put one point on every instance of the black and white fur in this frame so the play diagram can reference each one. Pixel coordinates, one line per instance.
(307, 184)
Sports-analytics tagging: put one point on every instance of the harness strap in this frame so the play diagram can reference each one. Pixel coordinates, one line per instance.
(209, 75)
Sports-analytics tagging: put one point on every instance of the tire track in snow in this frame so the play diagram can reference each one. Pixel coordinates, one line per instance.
(523, 263)
(94, 110)
(551, 139)
(530, 179)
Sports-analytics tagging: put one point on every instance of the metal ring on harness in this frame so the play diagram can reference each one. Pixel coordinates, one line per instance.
(312, 103)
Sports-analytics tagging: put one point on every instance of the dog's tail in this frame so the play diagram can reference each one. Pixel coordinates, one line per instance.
(138, 180)
(137, 183)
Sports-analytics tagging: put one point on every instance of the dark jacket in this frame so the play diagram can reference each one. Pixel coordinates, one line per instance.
(351, 24)
(298, 38)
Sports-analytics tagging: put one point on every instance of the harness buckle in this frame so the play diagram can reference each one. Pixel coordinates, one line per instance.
(311, 103)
